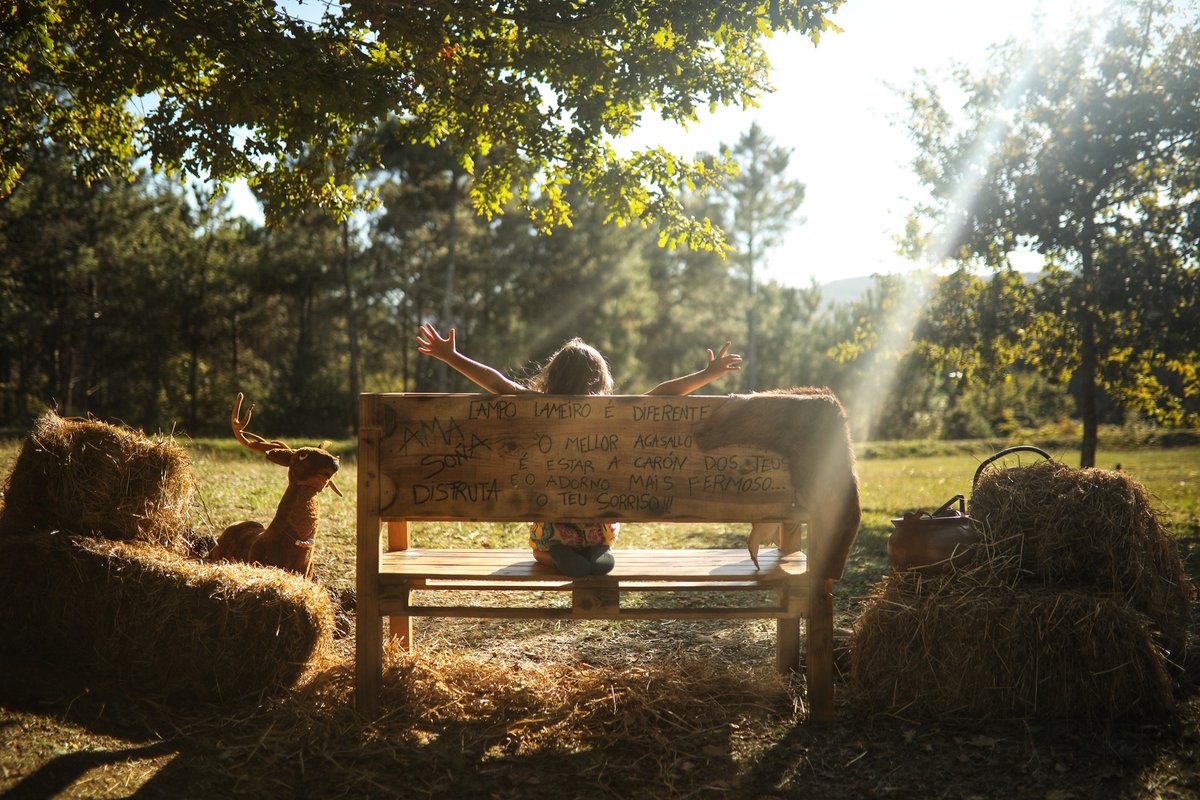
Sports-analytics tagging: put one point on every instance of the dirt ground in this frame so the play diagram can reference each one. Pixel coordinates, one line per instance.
(65, 735)
(502, 709)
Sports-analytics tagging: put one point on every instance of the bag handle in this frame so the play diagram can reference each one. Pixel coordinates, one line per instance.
(958, 498)
(1007, 451)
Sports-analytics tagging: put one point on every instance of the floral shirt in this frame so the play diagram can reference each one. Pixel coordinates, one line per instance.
(544, 534)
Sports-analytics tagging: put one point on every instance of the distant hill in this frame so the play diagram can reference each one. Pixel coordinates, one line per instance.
(847, 290)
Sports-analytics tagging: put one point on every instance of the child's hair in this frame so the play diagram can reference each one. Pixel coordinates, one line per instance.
(575, 368)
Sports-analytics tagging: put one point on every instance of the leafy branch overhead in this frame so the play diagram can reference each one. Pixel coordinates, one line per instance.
(528, 95)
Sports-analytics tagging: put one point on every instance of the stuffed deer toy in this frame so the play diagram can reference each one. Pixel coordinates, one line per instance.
(288, 541)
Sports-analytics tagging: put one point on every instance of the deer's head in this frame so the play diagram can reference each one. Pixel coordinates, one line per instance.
(307, 466)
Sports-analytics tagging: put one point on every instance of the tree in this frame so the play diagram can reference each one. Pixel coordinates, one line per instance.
(872, 346)
(538, 88)
(793, 329)
(974, 335)
(1087, 150)
(762, 203)
(300, 317)
(116, 299)
(974, 327)
(206, 303)
(689, 301)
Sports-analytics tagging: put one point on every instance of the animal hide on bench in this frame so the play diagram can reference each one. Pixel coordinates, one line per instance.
(807, 426)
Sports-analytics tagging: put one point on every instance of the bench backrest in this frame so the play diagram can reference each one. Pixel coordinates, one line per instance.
(776, 457)
(545, 457)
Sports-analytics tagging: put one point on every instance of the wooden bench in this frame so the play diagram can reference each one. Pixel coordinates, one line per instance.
(527, 458)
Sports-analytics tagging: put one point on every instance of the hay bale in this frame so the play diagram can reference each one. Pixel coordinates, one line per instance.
(969, 646)
(163, 624)
(1088, 529)
(88, 477)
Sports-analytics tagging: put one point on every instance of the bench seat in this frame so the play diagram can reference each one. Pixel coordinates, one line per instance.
(518, 565)
(594, 597)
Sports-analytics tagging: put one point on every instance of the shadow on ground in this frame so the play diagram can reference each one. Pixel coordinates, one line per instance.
(63, 735)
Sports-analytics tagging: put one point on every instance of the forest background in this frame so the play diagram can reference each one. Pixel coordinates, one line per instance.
(150, 302)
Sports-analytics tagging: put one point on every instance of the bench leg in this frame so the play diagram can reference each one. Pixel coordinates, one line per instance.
(400, 630)
(596, 600)
(400, 627)
(368, 656)
(787, 644)
(819, 652)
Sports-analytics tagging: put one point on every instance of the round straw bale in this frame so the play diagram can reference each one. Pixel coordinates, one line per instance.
(1092, 529)
(967, 649)
(88, 477)
(163, 624)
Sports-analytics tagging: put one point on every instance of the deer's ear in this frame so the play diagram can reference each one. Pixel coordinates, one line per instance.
(281, 456)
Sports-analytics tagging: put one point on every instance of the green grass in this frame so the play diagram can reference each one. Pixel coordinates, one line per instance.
(236, 485)
(890, 486)
(60, 731)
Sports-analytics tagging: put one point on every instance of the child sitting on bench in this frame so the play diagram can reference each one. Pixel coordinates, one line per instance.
(575, 368)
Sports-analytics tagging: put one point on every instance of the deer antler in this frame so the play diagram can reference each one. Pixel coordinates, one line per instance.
(276, 451)
(251, 440)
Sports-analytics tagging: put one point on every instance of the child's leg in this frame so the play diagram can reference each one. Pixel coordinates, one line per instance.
(570, 560)
(601, 559)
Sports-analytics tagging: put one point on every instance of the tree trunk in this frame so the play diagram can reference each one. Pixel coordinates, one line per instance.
(1087, 395)
(750, 367)
(196, 314)
(234, 344)
(1088, 362)
(193, 382)
(351, 322)
(451, 266)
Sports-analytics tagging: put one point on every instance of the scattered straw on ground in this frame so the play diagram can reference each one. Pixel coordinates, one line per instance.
(88, 477)
(450, 720)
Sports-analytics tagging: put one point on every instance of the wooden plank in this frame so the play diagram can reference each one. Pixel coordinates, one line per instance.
(481, 585)
(397, 534)
(712, 565)
(543, 613)
(818, 654)
(566, 585)
(787, 629)
(537, 457)
(368, 648)
(787, 644)
(399, 626)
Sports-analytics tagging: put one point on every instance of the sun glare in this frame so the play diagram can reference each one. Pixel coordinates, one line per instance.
(896, 329)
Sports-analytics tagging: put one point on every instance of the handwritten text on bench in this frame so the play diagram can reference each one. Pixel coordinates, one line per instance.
(572, 458)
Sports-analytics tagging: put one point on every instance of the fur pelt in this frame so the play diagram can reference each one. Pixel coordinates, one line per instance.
(808, 426)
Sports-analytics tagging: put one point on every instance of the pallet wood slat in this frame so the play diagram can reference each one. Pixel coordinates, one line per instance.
(443, 584)
(635, 565)
(525, 612)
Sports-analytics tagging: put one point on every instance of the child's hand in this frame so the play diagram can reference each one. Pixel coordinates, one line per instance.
(431, 343)
(723, 362)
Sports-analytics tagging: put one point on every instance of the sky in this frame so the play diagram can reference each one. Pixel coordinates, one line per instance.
(837, 108)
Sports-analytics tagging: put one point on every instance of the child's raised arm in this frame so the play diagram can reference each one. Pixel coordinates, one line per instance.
(718, 365)
(431, 343)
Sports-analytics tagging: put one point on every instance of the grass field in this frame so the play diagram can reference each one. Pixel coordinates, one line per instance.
(64, 734)
(889, 486)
